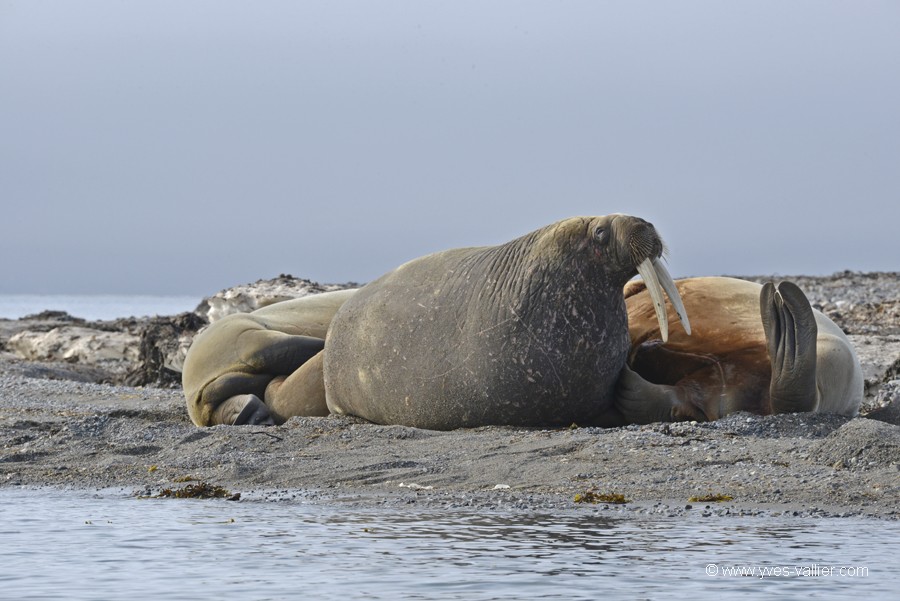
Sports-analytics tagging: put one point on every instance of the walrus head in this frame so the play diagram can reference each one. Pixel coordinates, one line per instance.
(621, 246)
(637, 244)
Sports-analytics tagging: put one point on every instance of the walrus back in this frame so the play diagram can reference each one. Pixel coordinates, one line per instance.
(443, 342)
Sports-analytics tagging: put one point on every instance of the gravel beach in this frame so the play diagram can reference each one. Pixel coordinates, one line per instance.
(56, 431)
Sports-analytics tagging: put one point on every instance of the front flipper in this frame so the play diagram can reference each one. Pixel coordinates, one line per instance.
(643, 402)
(791, 333)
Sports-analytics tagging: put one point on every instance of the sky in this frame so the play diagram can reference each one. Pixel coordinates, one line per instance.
(182, 147)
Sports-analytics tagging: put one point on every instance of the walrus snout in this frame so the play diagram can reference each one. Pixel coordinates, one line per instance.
(644, 242)
(635, 239)
(646, 248)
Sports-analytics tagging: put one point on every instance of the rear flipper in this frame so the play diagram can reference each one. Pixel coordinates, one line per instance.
(242, 409)
(791, 333)
(271, 355)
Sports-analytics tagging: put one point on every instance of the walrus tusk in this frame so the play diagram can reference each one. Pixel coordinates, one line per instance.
(668, 285)
(648, 272)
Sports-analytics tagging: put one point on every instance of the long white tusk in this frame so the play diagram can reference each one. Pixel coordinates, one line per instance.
(668, 285)
(649, 274)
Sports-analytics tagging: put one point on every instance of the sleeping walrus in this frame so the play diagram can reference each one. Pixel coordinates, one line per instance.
(754, 348)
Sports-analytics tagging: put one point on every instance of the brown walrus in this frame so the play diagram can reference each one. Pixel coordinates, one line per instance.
(761, 349)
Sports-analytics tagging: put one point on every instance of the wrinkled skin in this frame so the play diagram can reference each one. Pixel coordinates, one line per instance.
(754, 348)
(530, 333)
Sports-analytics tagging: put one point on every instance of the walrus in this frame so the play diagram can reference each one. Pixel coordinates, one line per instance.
(756, 348)
(261, 367)
(561, 283)
(532, 332)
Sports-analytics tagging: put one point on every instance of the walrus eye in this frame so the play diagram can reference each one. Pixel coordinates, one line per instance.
(599, 234)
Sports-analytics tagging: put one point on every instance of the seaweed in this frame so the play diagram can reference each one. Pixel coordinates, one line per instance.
(200, 490)
(592, 496)
(711, 498)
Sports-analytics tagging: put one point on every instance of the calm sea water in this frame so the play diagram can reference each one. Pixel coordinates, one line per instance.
(76, 546)
(14, 306)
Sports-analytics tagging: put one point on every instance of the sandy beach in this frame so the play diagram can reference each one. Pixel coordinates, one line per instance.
(62, 433)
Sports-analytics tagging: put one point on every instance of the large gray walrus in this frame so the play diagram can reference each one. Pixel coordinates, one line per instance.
(261, 367)
(533, 332)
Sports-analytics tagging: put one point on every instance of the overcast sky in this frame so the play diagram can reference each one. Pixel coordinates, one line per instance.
(183, 147)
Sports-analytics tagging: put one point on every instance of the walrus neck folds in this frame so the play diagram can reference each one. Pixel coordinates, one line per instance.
(542, 266)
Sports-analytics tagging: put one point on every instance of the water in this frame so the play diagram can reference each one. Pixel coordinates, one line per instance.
(74, 546)
(95, 307)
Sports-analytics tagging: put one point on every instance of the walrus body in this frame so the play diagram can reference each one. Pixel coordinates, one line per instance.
(753, 348)
(529, 333)
(237, 369)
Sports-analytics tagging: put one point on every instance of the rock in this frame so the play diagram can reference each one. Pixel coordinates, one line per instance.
(889, 393)
(114, 351)
(262, 293)
(887, 404)
(164, 342)
(136, 351)
(861, 443)
(11, 364)
(39, 322)
(879, 357)
(860, 303)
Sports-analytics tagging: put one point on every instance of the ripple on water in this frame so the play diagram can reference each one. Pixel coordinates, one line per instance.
(76, 546)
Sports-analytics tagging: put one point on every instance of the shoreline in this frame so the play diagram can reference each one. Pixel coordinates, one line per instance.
(62, 434)
(487, 502)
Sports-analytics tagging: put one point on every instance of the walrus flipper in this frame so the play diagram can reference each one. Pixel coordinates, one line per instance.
(643, 402)
(791, 334)
(277, 353)
(242, 409)
(228, 398)
(254, 413)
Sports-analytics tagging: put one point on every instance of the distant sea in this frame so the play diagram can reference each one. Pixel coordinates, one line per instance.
(95, 307)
